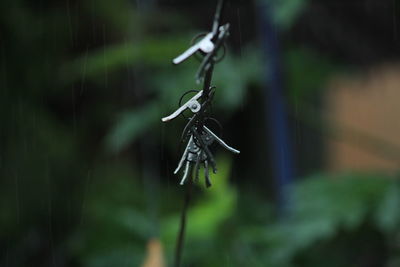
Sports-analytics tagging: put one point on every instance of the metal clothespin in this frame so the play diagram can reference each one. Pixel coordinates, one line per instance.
(192, 104)
(209, 59)
(199, 138)
(213, 137)
(205, 45)
(197, 152)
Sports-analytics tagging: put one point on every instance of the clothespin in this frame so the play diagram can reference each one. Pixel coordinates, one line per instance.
(205, 45)
(209, 59)
(192, 104)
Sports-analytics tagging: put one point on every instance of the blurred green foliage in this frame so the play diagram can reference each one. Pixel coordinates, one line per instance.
(83, 87)
(285, 12)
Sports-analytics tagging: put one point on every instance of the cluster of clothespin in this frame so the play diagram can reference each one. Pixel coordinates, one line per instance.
(199, 137)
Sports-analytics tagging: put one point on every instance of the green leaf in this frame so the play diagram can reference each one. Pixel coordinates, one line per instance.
(130, 125)
(110, 59)
(388, 215)
(285, 12)
(307, 72)
(206, 216)
(234, 75)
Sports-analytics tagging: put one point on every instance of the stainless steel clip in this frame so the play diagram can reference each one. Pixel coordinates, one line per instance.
(192, 104)
(205, 45)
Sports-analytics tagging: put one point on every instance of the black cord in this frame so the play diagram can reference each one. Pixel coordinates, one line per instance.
(181, 236)
(189, 188)
(217, 16)
(207, 96)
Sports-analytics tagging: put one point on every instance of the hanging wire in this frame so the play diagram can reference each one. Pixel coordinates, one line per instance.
(199, 137)
(182, 227)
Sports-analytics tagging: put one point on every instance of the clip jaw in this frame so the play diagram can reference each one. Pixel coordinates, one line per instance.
(205, 45)
(192, 104)
(210, 58)
(197, 151)
(208, 45)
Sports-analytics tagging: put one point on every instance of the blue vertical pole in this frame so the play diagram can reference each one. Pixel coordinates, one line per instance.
(275, 110)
